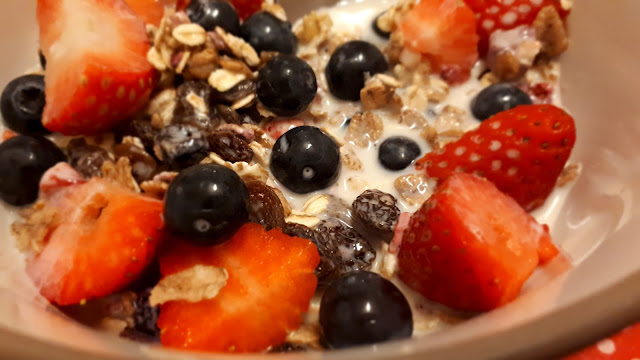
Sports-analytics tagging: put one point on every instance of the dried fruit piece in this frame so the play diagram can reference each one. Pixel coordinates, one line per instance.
(230, 146)
(328, 268)
(85, 158)
(265, 207)
(192, 105)
(352, 252)
(181, 145)
(376, 210)
(144, 318)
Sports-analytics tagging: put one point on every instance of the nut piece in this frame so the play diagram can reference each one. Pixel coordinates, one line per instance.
(364, 128)
(120, 172)
(190, 34)
(380, 91)
(239, 47)
(224, 80)
(551, 32)
(161, 108)
(415, 189)
(313, 28)
(506, 66)
(193, 285)
(415, 97)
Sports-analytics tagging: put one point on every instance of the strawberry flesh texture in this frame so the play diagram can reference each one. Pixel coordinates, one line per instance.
(495, 15)
(97, 73)
(271, 282)
(470, 247)
(151, 11)
(522, 151)
(445, 32)
(247, 8)
(105, 237)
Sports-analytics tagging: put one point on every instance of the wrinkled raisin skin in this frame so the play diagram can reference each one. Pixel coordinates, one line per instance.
(376, 210)
(182, 145)
(85, 158)
(145, 320)
(230, 146)
(265, 207)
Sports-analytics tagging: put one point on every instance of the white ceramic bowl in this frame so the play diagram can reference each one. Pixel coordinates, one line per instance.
(566, 305)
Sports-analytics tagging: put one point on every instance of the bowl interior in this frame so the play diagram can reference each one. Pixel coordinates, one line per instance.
(594, 221)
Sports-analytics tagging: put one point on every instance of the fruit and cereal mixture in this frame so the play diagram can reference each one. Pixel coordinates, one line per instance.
(210, 176)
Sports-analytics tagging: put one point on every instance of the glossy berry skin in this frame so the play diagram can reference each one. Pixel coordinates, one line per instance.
(286, 85)
(349, 65)
(212, 13)
(23, 160)
(266, 32)
(364, 308)
(497, 98)
(398, 152)
(207, 203)
(374, 25)
(22, 104)
(305, 159)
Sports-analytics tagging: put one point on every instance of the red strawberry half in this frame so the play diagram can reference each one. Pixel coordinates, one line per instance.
(445, 32)
(151, 11)
(522, 151)
(102, 238)
(97, 72)
(271, 281)
(495, 15)
(470, 247)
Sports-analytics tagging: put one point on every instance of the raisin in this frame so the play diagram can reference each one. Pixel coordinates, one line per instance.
(224, 114)
(353, 251)
(143, 165)
(329, 267)
(240, 91)
(230, 146)
(265, 207)
(288, 347)
(145, 320)
(85, 158)
(192, 107)
(181, 145)
(141, 129)
(376, 210)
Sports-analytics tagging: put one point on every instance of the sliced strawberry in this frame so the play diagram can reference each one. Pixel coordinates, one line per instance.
(102, 237)
(495, 15)
(97, 73)
(151, 11)
(445, 32)
(271, 281)
(522, 151)
(246, 8)
(8, 134)
(470, 247)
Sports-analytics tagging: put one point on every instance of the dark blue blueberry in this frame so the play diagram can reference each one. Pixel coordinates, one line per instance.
(383, 34)
(364, 308)
(349, 66)
(207, 203)
(22, 103)
(286, 85)
(266, 32)
(496, 98)
(212, 13)
(305, 159)
(398, 152)
(23, 160)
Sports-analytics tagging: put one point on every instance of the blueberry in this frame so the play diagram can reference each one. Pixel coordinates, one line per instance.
(23, 160)
(364, 308)
(286, 85)
(212, 13)
(22, 103)
(398, 152)
(266, 32)
(207, 203)
(305, 159)
(496, 98)
(377, 30)
(350, 64)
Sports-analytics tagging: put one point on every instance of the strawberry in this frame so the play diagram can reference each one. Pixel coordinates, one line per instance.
(151, 11)
(445, 32)
(97, 73)
(246, 8)
(470, 247)
(100, 239)
(522, 151)
(271, 282)
(495, 15)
